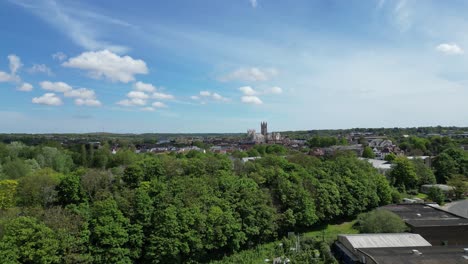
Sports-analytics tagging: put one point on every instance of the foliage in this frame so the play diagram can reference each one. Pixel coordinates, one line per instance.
(403, 174)
(368, 153)
(460, 185)
(25, 240)
(436, 195)
(380, 221)
(178, 208)
(7, 193)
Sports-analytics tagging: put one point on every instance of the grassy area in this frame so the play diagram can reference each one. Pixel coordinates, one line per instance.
(268, 251)
(329, 233)
(421, 196)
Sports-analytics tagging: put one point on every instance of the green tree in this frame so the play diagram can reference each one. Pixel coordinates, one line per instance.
(403, 174)
(109, 234)
(444, 166)
(38, 189)
(436, 195)
(368, 153)
(425, 174)
(460, 185)
(25, 240)
(69, 189)
(7, 193)
(390, 157)
(380, 221)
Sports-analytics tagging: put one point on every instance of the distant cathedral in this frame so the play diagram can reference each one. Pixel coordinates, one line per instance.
(263, 137)
(264, 128)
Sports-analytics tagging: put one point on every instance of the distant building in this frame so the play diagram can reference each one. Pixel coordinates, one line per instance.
(263, 136)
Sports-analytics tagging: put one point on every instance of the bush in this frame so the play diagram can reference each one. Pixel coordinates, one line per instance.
(380, 221)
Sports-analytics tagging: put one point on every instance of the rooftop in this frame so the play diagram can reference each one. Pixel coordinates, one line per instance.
(406, 255)
(425, 215)
(383, 240)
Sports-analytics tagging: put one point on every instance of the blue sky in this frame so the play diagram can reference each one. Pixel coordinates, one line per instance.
(224, 66)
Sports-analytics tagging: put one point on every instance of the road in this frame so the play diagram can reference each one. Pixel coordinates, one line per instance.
(458, 207)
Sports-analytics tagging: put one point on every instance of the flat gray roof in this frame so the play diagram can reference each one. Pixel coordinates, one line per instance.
(384, 240)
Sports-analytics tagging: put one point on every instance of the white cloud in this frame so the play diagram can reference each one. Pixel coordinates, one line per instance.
(15, 63)
(5, 77)
(247, 90)
(105, 64)
(218, 97)
(162, 96)
(253, 3)
(25, 87)
(40, 68)
(250, 99)
(48, 99)
(60, 87)
(60, 56)
(144, 87)
(210, 95)
(250, 75)
(132, 102)
(148, 109)
(81, 93)
(87, 102)
(159, 105)
(205, 93)
(450, 48)
(274, 90)
(138, 95)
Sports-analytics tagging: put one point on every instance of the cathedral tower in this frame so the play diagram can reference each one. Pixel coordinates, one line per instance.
(264, 128)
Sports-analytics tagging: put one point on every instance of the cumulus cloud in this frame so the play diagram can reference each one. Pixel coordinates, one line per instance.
(105, 64)
(250, 99)
(59, 87)
(450, 48)
(40, 68)
(218, 97)
(81, 93)
(210, 95)
(25, 87)
(144, 87)
(247, 90)
(48, 99)
(132, 102)
(60, 56)
(15, 63)
(138, 95)
(252, 74)
(162, 96)
(159, 105)
(83, 96)
(5, 77)
(87, 102)
(253, 3)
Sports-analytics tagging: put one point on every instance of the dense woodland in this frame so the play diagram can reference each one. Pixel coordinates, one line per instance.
(81, 204)
(85, 205)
